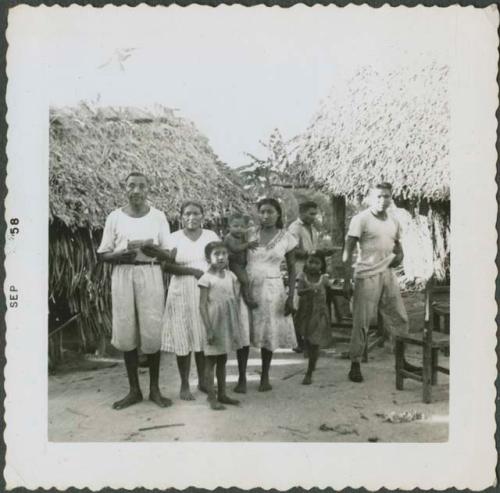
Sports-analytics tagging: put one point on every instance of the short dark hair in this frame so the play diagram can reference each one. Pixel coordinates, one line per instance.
(236, 216)
(212, 246)
(187, 203)
(309, 204)
(274, 203)
(136, 173)
(384, 185)
(318, 255)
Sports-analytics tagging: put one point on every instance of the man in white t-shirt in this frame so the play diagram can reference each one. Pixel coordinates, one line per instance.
(376, 290)
(134, 241)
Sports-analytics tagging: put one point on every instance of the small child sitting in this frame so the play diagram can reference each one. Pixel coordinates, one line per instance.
(238, 246)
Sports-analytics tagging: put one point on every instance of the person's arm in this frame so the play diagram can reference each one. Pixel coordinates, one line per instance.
(300, 253)
(302, 287)
(398, 251)
(290, 264)
(204, 313)
(159, 253)
(116, 257)
(350, 245)
(235, 246)
(180, 270)
(106, 251)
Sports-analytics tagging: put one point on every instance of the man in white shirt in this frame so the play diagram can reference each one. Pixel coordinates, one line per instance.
(377, 235)
(134, 240)
(307, 237)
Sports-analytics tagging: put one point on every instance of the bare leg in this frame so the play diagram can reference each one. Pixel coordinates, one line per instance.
(221, 381)
(210, 362)
(242, 356)
(135, 395)
(266, 356)
(199, 358)
(154, 388)
(313, 353)
(184, 365)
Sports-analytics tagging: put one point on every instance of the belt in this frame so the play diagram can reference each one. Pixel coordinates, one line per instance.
(139, 262)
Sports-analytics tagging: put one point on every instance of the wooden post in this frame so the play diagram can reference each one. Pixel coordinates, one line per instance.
(338, 220)
(400, 358)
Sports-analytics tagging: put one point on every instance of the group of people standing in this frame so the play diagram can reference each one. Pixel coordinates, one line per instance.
(228, 294)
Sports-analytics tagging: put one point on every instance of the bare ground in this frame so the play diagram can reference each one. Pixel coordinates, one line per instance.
(80, 401)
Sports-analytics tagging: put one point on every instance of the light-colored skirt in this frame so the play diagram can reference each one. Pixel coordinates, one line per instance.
(269, 328)
(183, 329)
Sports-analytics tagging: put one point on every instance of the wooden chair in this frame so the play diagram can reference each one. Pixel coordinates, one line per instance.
(437, 306)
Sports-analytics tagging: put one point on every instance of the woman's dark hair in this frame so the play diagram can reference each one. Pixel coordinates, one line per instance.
(274, 203)
(319, 256)
(191, 202)
(212, 246)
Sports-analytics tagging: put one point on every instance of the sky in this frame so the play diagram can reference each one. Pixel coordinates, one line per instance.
(236, 72)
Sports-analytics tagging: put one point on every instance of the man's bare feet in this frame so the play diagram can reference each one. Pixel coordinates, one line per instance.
(265, 386)
(307, 379)
(185, 394)
(224, 399)
(133, 397)
(241, 388)
(216, 405)
(156, 397)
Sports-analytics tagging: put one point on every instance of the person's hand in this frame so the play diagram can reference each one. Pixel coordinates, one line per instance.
(197, 273)
(172, 254)
(288, 306)
(210, 337)
(153, 251)
(124, 256)
(347, 288)
(252, 245)
(396, 261)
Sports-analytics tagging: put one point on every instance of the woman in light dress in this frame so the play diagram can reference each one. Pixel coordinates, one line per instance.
(271, 324)
(183, 329)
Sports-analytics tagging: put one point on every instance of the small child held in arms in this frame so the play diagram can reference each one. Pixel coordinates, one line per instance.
(313, 317)
(238, 246)
(219, 308)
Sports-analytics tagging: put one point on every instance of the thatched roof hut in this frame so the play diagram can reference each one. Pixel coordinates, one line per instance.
(380, 125)
(92, 150)
(391, 126)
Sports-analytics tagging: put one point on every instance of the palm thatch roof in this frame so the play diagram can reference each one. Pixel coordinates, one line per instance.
(92, 150)
(379, 125)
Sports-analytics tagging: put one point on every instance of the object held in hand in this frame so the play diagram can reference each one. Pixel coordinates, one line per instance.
(138, 244)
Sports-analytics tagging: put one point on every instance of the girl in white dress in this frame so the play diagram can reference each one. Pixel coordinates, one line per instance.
(183, 330)
(271, 325)
(220, 311)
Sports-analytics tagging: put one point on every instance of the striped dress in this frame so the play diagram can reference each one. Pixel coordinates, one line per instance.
(183, 329)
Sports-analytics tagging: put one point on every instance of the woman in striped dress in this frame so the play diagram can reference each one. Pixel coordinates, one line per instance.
(183, 329)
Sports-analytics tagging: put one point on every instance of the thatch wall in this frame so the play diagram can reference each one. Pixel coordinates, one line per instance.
(91, 152)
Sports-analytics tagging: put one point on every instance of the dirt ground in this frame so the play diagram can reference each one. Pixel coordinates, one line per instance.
(331, 410)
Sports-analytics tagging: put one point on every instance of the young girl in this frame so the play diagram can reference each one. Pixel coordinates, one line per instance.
(313, 318)
(219, 308)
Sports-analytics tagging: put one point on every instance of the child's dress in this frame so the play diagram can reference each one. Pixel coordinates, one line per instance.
(313, 317)
(223, 312)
